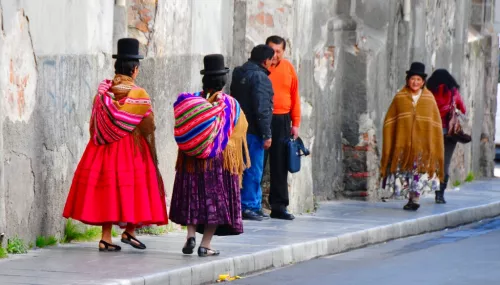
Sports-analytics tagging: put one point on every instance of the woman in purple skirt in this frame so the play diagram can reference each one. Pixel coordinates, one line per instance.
(210, 130)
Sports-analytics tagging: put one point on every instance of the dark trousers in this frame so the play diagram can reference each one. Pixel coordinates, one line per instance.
(449, 148)
(281, 130)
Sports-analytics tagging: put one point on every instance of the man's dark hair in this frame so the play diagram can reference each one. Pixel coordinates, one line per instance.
(213, 83)
(276, 40)
(126, 66)
(261, 53)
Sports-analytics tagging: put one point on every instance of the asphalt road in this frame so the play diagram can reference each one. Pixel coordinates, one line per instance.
(467, 255)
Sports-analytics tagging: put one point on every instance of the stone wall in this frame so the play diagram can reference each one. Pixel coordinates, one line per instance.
(49, 69)
(350, 56)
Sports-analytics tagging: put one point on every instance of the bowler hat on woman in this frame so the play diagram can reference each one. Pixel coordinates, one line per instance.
(214, 65)
(417, 68)
(128, 48)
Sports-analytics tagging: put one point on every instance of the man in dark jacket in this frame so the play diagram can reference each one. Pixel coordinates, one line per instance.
(252, 88)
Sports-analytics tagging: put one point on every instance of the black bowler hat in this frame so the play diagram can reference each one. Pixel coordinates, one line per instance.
(128, 48)
(417, 68)
(214, 65)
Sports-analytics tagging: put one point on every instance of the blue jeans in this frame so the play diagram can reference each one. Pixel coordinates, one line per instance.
(251, 192)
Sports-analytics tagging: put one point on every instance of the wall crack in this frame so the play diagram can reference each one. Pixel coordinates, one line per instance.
(20, 154)
(151, 32)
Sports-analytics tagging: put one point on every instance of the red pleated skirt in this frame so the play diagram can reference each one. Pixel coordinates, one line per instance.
(116, 183)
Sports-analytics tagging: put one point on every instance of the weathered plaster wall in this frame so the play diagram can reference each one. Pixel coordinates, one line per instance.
(49, 68)
(350, 55)
(442, 35)
(3, 213)
(184, 31)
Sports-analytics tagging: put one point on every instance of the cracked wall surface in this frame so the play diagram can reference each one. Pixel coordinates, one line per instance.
(49, 69)
(3, 213)
(350, 55)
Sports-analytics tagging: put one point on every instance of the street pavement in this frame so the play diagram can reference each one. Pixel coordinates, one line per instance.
(336, 227)
(468, 255)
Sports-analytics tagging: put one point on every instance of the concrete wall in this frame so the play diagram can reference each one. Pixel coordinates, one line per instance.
(49, 68)
(442, 34)
(350, 55)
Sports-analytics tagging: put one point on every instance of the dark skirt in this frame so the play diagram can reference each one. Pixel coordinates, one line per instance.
(208, 197)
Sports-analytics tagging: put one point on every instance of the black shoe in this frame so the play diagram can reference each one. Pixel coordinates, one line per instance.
(440, 199)
(262, 214)
(440, 194)
(411, 206)
(108, 246)
(204, 252)
(189, 246)
(251, 215)
(131, 240)
(283, 215)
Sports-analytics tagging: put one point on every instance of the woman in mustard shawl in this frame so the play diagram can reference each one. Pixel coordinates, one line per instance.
(413, 154)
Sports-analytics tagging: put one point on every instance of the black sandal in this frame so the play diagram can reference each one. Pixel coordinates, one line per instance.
(189, 246)
(411, 206)
(204, 252)
(131, 240)
(109, 246)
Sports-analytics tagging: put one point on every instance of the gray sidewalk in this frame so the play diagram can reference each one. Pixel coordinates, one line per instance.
(336, 227)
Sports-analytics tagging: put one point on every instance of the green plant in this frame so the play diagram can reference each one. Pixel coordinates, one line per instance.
(77, 232)
(470, 177)
(114, 233)
(159, 230)
(3, 253)
(71, 231)
(456, 183)
(42, 241)
(153, 230)
(16, 246)
(91, 234)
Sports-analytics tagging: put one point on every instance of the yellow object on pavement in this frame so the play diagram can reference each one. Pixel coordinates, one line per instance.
(227, 277)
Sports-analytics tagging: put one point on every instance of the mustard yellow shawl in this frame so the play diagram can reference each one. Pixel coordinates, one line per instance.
(413, 136)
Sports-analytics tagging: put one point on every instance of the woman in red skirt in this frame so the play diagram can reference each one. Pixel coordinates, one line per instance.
(117, 180)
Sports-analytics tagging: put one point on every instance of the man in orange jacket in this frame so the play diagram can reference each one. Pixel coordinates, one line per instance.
(285, 124)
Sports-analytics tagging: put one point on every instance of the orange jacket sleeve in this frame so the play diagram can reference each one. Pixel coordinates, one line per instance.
(294, 94)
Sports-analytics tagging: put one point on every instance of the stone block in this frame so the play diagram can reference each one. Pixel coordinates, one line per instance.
(224, 266)
(438, 222)
(376, 235)
(409, 228)
(352, 240)
(322, 247)
(263, 260)
(279, 257)
(287, 255)
(333, 245)
(298, 252)
(244, 264)
(181, 276)
(311, 249)
(162, 278)
(202, 273)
